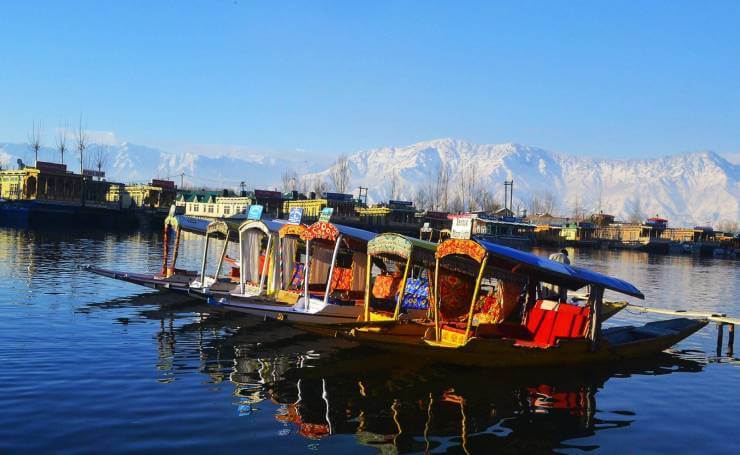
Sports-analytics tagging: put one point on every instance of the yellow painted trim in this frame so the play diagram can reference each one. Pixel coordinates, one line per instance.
(475, 294)
(367, 287)
(402, 290)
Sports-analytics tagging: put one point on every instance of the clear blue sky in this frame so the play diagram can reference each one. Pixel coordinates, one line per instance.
(616, 79)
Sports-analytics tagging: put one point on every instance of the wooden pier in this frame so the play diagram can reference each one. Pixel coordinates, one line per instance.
(721, 319)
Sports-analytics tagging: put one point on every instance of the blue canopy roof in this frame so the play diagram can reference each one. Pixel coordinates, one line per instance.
(359, 234)
(188, 223)
(555, 272)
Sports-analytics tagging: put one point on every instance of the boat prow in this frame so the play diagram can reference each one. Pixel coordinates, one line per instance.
(176, 283)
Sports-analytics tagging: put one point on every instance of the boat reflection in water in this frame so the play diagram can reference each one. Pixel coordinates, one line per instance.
(316, 388)
(411, 408)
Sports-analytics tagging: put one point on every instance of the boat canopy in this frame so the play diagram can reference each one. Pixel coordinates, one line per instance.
(461, 247)
(551, 271)
(187, 223)
(402, 246)
(226, 228)
(292, 229)
(330, 231)
(267, 226)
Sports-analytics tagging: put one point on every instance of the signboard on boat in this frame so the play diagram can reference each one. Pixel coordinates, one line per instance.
(296, 213)
(255, 212)
(461, 228)
(326, 214)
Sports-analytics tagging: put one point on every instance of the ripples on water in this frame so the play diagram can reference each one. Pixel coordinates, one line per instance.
(90, 365)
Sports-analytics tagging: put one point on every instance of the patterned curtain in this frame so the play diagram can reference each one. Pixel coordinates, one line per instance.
(288, 247)
(251, 247)
(320, 263)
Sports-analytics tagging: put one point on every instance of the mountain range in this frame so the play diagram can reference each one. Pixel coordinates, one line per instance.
(700, 188)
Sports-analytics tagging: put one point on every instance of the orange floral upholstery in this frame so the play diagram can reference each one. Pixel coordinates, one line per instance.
(455, 293)
(341, 279)
(488, 311)
(386, 286)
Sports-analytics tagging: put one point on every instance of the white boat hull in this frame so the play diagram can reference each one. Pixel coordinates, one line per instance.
(317, 312)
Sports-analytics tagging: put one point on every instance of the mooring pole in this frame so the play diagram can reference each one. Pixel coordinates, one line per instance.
(730, 339)
(720, 334)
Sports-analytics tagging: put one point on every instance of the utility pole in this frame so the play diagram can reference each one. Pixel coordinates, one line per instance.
(362, 193)
(509, 195)
(243, 187)
(182, 179)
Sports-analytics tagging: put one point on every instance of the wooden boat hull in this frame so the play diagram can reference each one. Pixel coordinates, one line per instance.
(176, 285)
(616, 344)
(405, 332)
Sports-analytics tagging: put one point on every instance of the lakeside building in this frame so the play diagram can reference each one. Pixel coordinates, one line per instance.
(157, 196)
(581, 233)
(50, 185)
(506, 230)
(343, 205)
(211, 206)
(49, 192)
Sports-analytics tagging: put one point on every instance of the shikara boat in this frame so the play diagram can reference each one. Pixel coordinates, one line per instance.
(326, 286)
(170, 278)
(512, 325)
(397, 303)
(204, 285)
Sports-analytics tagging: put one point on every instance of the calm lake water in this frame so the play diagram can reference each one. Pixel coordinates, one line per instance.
(90, 365)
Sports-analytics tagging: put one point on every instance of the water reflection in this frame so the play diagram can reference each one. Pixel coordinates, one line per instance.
(317, 388)
(116, 354)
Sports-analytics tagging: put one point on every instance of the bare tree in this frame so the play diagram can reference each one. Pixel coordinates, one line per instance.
(488, 202)
(289, 181)
(98, 158)
(319, 186)
(303, 184)
(444, 173)
(34, 142)
(421, 198)
(578, 211)
(62, 142)
(340, 174)
(727, 226)
(635, 212)
(544, 202)
(81, 139)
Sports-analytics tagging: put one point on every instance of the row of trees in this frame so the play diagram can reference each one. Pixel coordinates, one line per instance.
(91, 156)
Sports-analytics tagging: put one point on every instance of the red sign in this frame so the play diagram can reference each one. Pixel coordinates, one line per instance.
(165, 184)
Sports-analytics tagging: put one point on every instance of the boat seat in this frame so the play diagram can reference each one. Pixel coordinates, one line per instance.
(386, 286)
(416, 294)
(455, 293)
(546, 326)
(296, 277)
(341, 279)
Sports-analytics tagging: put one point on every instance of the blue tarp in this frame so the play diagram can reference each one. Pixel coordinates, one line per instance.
(556, 272)
(359, 234)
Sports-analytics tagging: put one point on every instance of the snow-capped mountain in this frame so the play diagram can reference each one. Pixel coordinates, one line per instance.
(690, 189)
(128, 162)
(699, 188)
